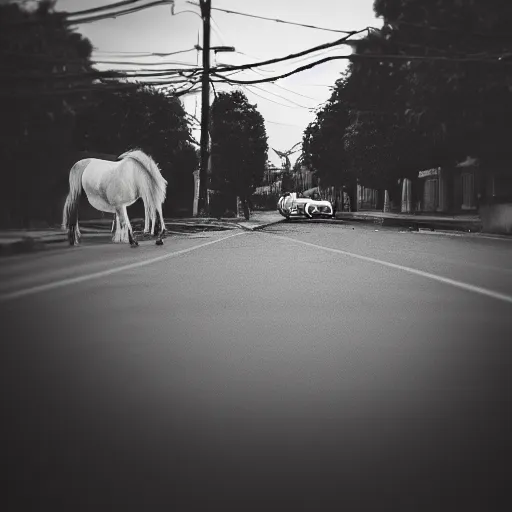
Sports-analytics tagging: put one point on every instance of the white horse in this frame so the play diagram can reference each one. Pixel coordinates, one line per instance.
(112, 187)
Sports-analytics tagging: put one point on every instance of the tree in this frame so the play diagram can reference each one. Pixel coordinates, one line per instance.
(465, 101)
(41, 63)
(238, 146)
(148, 119)
(381, 148)
(322, 143)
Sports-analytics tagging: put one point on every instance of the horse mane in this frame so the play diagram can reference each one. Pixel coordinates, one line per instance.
(138, 154)
(156, 194)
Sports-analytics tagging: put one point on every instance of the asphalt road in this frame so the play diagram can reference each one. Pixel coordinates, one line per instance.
(305, 367)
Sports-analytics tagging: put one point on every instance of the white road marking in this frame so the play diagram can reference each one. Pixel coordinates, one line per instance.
(446, 280)
(104, 273)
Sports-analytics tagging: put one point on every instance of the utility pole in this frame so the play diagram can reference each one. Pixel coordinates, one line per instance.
(205, 108)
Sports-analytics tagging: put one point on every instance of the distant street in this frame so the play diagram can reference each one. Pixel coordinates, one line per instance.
(307, 366)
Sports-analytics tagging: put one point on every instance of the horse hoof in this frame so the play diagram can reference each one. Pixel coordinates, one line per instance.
(159, 242)
(135, 244)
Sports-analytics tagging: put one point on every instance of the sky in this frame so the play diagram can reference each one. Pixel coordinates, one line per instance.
(289, 104)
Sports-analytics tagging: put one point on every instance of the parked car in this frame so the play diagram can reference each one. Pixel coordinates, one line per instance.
(296, 205)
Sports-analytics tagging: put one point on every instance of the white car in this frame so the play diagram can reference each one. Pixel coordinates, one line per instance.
(293, 205)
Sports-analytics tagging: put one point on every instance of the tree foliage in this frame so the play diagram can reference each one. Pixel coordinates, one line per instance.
(53, 107)
(322, 144)
(426, 90)
(37, 58)
(238, 146)
(463, 103)
(379, 144)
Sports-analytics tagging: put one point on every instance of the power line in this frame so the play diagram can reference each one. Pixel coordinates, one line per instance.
(118, 14)
(95, 74)
(218, 31)
(284, 75)
(329, 51)
(279, 96)
(252, 57)
(91, 88)
(63, 17)
(236, 69)
(276, 20)
(362, 57)
(249, 88)
(284, 124)
(132, 63)
(290, 56)
(103, 8)
(494, 35)
(144, 54)
(45, 56)
(285, 89)
(276, 85)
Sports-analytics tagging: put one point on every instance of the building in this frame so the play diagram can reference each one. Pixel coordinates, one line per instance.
(453, 190)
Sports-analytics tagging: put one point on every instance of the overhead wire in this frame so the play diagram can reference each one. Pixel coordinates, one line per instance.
(279, 96)
(275, 20)
(144, 54)
(290, 56)
(102, 8)
(493, 35)
(253, 57)
(91, 88)
(284, 88)
(217, 30)
(284, 124)
(363, 56)
(67, 19)
(284, 75)
(131, 63)
(249, 88)
(218, 72)
(95, 74)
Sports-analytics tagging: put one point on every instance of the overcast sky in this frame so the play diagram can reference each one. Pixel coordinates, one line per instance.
(288, 105)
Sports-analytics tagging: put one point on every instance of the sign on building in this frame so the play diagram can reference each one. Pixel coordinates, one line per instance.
(429, 172)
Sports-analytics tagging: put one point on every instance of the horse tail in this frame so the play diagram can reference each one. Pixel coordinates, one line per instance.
(70, 213)
(153, 189)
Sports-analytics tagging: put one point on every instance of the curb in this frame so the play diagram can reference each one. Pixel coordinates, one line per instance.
(431, 227)
(453, 232)
(260, 226)
(418, 223)
(35, 244)
(317, 221)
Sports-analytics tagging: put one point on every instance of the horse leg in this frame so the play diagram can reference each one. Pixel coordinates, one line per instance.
(74, 234)
(117, 232)
(159, 240)
(164, 229)
(126, 228)
(153, 226)
(146, 221)
(133, 242)
(71, 234)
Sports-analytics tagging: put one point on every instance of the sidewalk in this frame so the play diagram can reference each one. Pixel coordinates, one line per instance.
(23, 241)
(467, 223)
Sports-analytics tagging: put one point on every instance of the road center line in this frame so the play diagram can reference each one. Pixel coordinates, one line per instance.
(446, 280)
(104, 273)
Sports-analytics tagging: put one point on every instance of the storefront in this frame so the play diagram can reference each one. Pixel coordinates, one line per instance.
(367, 198)
(433, 188)
(465, 187)
(446, 190)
